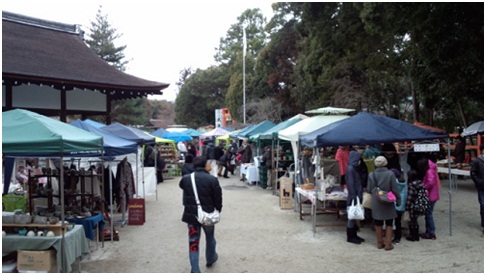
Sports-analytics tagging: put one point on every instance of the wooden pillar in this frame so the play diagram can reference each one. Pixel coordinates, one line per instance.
(108, 109)
(63, 113)
(8, 95)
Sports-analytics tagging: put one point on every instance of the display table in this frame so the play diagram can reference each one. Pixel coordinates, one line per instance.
(250, 171)
(75, 245)
(328, 204)
(454, 172)
(89, 224)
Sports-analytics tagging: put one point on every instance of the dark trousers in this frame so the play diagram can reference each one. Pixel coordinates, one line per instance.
(398, 225)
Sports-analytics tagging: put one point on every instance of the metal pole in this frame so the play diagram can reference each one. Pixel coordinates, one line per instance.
(450, 184)
(244, 75)
(244, 91)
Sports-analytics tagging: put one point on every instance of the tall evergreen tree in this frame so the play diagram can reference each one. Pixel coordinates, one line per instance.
(102, 37)
(102, 40)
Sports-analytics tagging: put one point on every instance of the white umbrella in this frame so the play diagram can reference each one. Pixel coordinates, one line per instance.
(474, 129)
(330, 111)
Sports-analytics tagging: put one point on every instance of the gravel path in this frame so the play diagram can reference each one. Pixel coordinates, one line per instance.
(256, 236)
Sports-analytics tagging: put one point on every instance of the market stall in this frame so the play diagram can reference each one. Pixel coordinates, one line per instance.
(28, 134)
(373, 129)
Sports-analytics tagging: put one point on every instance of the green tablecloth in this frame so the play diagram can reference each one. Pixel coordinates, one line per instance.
(75, 246)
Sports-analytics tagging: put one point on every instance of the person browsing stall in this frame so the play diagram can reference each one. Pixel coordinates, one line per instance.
(355, 191)
(211, 197)
(383, 213)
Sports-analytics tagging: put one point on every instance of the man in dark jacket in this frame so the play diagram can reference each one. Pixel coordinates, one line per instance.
(477, 175)
(211, 197)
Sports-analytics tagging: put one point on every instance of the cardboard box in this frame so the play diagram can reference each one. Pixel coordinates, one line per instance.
(37, 260)
(286, 193)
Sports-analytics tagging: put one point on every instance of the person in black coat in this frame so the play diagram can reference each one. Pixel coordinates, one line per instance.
(224, 162)
(211, 197)
(188, 166)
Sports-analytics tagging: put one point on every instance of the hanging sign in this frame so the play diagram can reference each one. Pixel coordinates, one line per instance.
(431, 147)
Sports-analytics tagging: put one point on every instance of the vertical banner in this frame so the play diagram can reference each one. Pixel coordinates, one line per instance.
(218, 114)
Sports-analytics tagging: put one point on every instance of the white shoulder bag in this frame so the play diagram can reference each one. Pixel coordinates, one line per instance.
(203, 217)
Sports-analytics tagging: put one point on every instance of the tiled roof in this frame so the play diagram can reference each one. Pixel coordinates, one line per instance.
(50, 53)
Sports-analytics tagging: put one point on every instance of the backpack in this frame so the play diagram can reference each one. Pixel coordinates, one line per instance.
(421, 204)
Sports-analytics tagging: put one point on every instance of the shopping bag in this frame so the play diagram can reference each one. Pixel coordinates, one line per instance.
(366, 200)
(356, 211)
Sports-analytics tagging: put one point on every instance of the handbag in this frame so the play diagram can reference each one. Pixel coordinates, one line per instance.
(203, 217)
(383, 196)
(356, 211)
(367, 200)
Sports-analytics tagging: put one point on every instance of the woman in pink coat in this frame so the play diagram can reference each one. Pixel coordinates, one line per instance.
(431, 184)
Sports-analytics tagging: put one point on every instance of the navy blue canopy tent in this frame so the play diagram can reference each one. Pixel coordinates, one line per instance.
(365, 128)
(129, 133)
(113, 145)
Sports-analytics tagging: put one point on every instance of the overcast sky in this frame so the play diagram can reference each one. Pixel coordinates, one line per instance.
(162, 37)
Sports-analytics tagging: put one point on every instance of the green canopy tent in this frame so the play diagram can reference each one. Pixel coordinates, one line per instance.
(28, 134)
(25, 133)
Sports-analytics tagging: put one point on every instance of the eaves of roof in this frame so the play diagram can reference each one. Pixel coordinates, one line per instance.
(48, 53)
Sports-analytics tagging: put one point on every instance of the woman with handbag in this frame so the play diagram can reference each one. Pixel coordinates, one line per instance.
(383, 180)
(355, 193)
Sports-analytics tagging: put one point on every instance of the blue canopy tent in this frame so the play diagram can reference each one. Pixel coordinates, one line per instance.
(193, 133)
(129, 133)
(141, 138)
(113, 145)
(94, 123)
(177, 136)
(159, 132)
(365, 128)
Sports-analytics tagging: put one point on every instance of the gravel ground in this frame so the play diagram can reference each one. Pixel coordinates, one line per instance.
(256, 236)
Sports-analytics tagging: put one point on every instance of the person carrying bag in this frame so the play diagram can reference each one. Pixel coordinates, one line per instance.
(207, 193)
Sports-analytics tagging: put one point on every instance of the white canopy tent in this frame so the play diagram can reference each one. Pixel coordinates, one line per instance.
(305, 126)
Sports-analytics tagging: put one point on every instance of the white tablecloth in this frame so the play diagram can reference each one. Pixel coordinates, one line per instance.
(250, 171)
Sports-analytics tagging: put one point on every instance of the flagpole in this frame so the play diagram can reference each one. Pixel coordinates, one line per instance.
(244, 76)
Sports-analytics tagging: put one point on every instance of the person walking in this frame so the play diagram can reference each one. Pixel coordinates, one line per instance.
(218, 153)
(211, 156)
(431, 184)
(477, 175)
(224, 162)
(355, 191)
(381, 212)
(246, 155)
(211, 197)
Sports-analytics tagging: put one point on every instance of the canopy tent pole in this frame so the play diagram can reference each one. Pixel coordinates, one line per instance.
(450, 184)
(61, 195)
